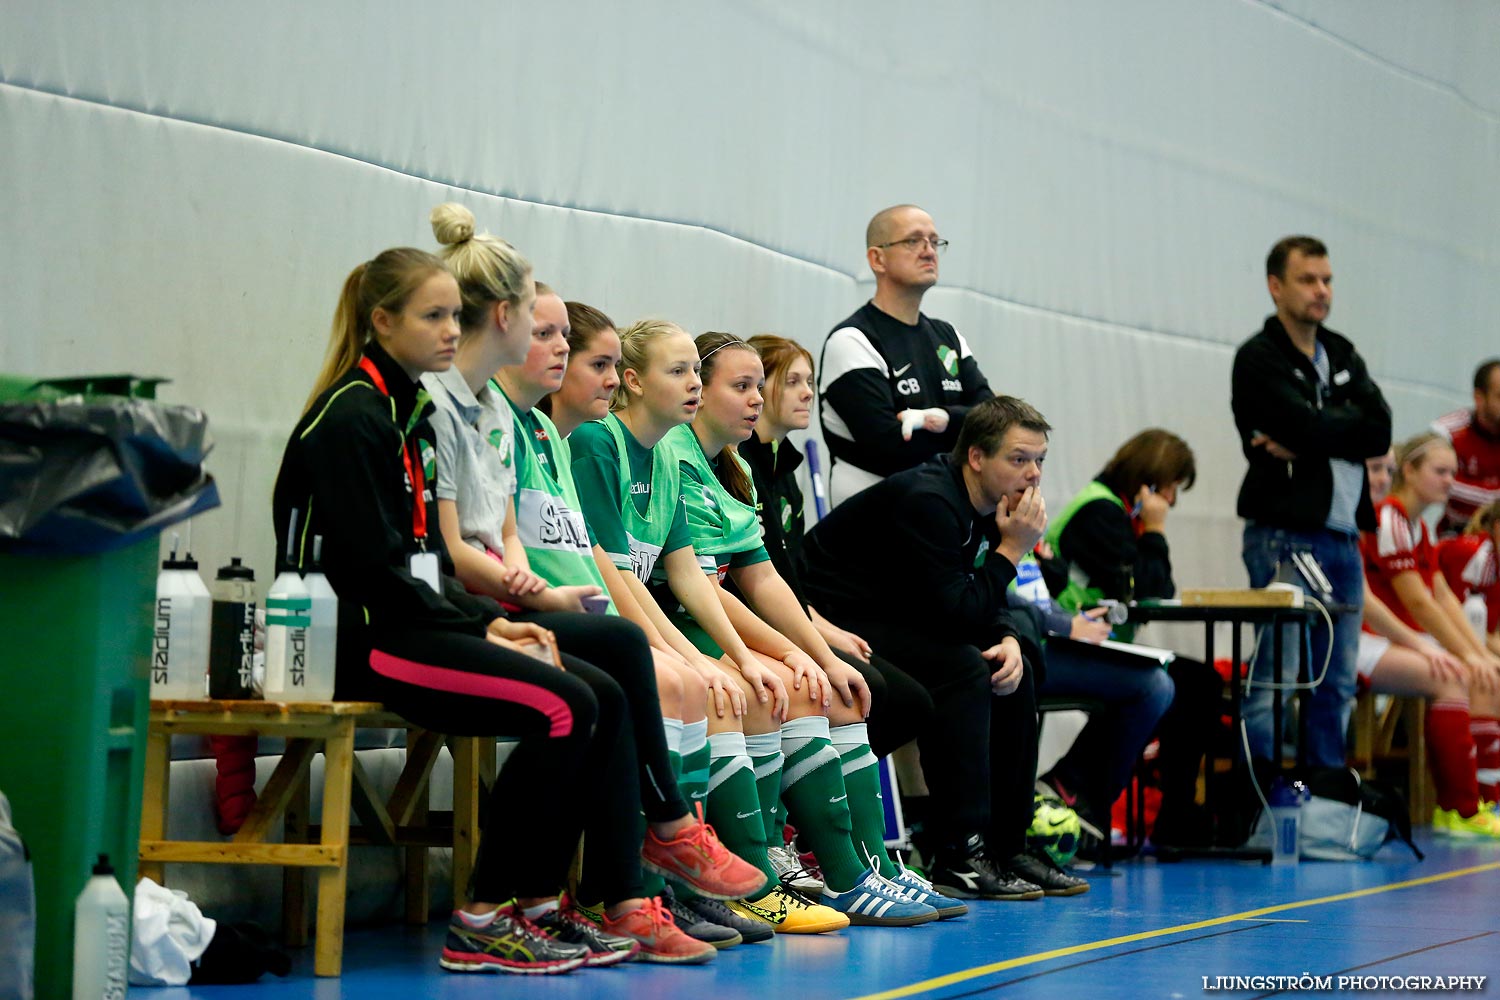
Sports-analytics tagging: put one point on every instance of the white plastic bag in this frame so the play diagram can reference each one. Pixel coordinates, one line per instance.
(170, 934)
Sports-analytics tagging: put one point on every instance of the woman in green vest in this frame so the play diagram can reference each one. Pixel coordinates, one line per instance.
(499, 325)
(1111, 536)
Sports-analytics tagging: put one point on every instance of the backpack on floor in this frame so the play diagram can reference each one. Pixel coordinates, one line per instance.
(1346, 819)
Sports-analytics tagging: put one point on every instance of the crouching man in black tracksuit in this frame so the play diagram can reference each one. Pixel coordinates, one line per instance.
(919, 565)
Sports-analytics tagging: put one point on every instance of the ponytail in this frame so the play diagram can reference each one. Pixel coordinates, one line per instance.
(730, 472)
(385, 282)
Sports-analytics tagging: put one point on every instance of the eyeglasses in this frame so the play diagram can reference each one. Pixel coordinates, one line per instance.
(916, 244)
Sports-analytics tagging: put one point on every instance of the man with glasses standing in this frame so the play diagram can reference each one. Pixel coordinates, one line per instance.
(894, 384)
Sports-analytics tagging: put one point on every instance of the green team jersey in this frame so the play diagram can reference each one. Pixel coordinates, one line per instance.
(549, 517)
(632, 502)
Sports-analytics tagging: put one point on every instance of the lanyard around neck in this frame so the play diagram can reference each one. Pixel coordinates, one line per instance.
(413, 469)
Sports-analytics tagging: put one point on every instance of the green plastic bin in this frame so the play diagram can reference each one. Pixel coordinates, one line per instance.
(76, 632)
(76, 635)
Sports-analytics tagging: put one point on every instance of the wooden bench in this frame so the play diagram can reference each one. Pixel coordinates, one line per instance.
(402, 820)
(1374, 740)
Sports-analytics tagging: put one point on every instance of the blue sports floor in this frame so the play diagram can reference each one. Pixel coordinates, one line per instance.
(1148, 930)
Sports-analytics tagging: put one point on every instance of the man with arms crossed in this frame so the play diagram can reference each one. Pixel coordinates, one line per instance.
(1308, 415)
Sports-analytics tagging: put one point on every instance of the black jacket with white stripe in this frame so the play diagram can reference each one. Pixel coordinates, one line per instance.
(872, 367)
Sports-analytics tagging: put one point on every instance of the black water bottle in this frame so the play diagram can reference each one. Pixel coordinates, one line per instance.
(231, 652)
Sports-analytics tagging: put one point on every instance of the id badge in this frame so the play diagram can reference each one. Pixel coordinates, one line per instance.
(424, 566)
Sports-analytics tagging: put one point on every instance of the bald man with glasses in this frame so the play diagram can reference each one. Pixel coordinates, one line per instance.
(894, 384)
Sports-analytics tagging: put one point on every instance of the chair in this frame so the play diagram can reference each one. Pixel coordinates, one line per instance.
(403, 819)
(1374, 739)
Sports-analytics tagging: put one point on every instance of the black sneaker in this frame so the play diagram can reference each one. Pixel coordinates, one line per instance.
(716, 912)
(966, 872)
(1036, 867)
(510, 943)
(571, 927)
(695, 927)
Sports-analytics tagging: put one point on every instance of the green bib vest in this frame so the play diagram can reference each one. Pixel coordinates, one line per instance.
(646, 533)
(718, 522)
(549, 517)
(1078, 593)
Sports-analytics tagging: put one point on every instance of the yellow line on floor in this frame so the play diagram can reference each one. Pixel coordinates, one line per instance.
(954, 978)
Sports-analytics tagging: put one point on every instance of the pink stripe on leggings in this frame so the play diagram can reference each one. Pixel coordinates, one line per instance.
(426, 675)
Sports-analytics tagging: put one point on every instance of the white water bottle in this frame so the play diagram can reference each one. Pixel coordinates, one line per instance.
(322, 634)
(288, 611)
(1477, 611)
(179, 642)
(101, 937)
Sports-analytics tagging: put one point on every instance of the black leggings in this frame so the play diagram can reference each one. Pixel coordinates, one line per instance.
(978, 751)
(619, 648)
(466, 686)
(901, 708)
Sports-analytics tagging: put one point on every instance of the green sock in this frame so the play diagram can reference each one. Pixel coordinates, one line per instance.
(765, 757)
(693, 780)
(812, 786)
(862, 778)
(733, 803)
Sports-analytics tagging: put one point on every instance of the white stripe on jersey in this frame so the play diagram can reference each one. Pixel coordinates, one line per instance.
(847, 350)
(1394, 534)
(1450, 423)
(1476, 495)
(963, 346)
(1480, 571)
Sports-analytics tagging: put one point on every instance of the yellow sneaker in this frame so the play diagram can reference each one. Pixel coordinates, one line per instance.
(789, 913)
(1483, 824)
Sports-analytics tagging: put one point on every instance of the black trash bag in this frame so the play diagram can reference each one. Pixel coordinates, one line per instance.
(80, 475)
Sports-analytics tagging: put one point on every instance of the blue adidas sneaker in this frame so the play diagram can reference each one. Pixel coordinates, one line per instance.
(921, 890)
(875, 901)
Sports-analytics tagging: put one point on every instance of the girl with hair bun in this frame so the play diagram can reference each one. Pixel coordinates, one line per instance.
(497, 494)
(356, 473)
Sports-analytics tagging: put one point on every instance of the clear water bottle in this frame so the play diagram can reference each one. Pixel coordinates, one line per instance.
(101, 937)
(288, 616)
(1477, 611)
(322, 636)
(1286, 820)
(231, 653)
(179, 642)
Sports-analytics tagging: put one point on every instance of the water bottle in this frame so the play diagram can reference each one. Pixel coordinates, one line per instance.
(231, 654)
(101, 937)
(288, 615)
(1029, 583)
(322, 636)
(1286, 820)
(1477, 611)
(179, 644)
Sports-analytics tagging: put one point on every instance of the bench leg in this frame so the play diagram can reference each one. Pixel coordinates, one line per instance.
(466, 792)
(338, 769)
(294, 877)
(154, 799)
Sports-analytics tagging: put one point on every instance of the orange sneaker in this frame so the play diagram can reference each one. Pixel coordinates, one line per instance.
(660, 937)
(697, 858)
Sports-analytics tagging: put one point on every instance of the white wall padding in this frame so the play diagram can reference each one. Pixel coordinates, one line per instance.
(186, 184)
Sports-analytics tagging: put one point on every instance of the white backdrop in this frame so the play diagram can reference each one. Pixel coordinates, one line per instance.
(183, 186)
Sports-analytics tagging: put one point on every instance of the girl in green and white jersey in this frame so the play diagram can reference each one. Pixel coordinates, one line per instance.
(824, 743)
